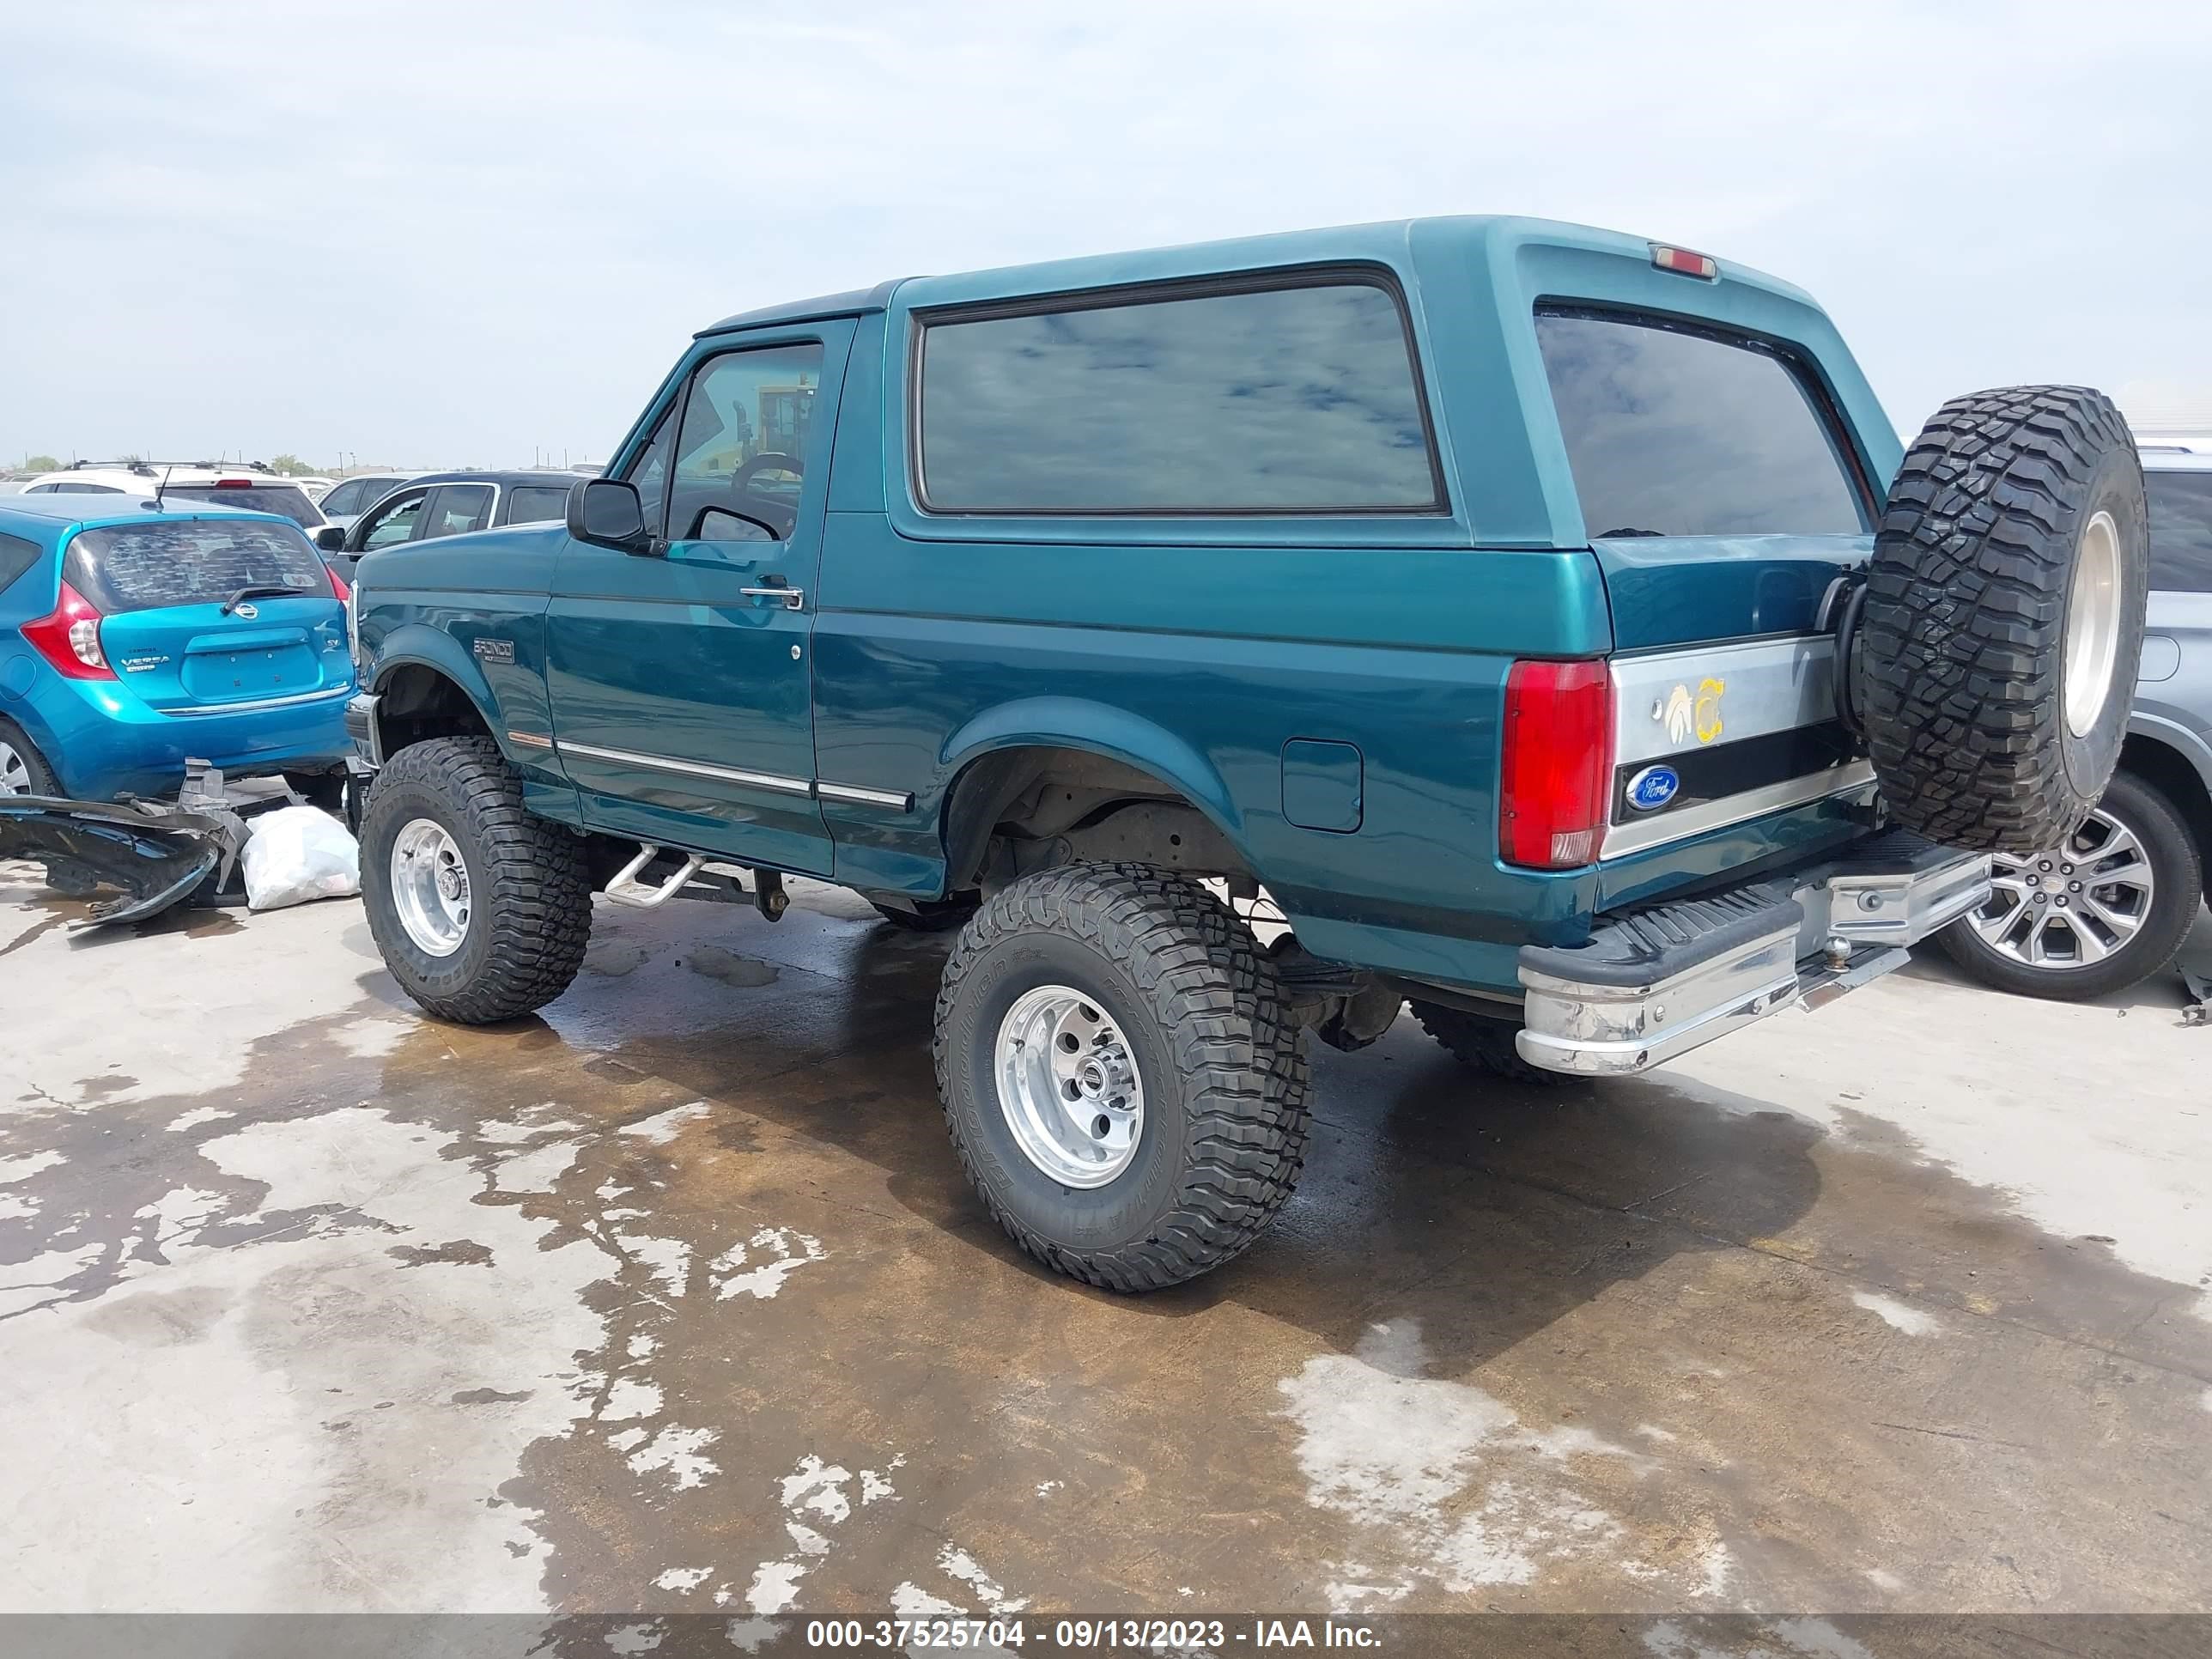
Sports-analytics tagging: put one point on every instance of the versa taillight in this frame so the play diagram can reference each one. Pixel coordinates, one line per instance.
(67, 637)
(1556, 764)
(337, 583)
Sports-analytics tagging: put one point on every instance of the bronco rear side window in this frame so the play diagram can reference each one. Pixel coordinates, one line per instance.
(143, 567)
(1232, 399)
(2180, 530)
(1674, 431)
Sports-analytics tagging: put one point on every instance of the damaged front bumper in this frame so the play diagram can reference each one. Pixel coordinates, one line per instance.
(1663, 980)
(159, 856)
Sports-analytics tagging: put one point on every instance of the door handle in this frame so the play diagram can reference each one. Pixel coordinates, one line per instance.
(794, 598)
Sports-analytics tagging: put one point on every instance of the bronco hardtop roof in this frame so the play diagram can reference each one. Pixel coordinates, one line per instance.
(1480, 237)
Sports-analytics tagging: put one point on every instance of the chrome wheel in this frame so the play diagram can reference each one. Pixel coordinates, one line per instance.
(1068, 1086)
(14, 770)
(2093, 624)
(2071, 906)
(431, 887)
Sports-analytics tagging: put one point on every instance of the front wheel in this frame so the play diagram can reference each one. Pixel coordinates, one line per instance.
(2102, 910)
(481, 908)
(1122, 1076)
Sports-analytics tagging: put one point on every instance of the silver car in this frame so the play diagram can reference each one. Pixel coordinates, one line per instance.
(2112, 905)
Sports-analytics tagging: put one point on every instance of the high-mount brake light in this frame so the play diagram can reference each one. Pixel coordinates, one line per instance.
(1555, 772)
(233, 483)
(1685, 263)
(67, 637)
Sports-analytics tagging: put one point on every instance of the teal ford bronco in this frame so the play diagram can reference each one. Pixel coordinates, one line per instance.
(1546, 625)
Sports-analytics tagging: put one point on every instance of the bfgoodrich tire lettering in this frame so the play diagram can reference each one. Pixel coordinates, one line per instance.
(1977, 577)
(1222, 1073)
(531, 916)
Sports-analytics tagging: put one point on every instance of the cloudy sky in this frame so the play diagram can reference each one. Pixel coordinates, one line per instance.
(466, 234)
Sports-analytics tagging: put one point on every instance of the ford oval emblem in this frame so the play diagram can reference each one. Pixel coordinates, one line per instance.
(1653, 788)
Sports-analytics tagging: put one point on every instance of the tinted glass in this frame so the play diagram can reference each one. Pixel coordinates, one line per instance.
(190, 561)
(537, 503)
(747, 420)
(1287, 400)
(2180, 530)
(1675, 433)
(16, 555)
(72, 489)
(348, 497)
(288, 500)
(456, 509)
(390, 522)
(649, 473)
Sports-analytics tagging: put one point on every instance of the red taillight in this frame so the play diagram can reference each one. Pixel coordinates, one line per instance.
(337, 583)
(68, 638)
(1681, 260)
(1556, 775)
(233, 483)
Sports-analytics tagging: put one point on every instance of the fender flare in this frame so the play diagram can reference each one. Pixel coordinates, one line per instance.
(1077, 723)
(417, 644)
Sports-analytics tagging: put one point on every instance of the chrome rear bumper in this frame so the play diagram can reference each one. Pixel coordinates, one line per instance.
(1659, 982)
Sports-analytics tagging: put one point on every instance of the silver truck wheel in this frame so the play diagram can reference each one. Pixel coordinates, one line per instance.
(2097, 911)
(431, 887)
(1069, 1087)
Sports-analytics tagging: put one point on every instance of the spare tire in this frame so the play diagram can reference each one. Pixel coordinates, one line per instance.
(2003, 617)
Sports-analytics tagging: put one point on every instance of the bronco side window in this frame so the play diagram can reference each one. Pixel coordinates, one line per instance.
(1673, 430)
(1299, 395)
(747, 421)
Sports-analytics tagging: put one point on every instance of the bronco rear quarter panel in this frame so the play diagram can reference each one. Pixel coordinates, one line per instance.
(1197, 646)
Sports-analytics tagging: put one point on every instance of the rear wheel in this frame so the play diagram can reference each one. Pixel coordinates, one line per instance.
(23, 770)
(1122, 1076)
(481, 908)
(2102, 910)
(1484, 1043)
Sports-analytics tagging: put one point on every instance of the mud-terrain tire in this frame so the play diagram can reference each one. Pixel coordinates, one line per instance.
(528, 893)
(2003, 617)
(930, 915)
(1483, 1043)
(1171, 983)
(23, 769)
(2164, 890)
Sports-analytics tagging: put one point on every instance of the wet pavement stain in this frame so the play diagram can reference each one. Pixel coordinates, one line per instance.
(1609, 1346)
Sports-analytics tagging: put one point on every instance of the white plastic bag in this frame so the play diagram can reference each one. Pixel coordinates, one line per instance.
(297, 853)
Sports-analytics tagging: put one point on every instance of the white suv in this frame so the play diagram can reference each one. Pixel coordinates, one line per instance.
(240, 484)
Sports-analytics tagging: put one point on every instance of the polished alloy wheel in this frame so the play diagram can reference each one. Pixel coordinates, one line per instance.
(1068, 1086)
(2092, 625)
(14, 770)
(431, 887)
(2074, 905)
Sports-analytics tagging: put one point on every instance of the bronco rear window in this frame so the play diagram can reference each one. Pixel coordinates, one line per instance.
(2180, 530)
(143, 567)
(1290, 399)
(287, 501)
(1674, 431)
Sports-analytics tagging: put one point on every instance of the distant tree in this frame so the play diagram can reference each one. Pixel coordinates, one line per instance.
(290, 465)
(41, 464)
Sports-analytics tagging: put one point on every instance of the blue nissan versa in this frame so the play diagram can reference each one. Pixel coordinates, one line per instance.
(133, 637)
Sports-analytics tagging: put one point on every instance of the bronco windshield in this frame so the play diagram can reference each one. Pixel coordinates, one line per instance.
(144, 567)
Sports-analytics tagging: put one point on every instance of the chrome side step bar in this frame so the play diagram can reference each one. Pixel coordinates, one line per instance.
(624, 887)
